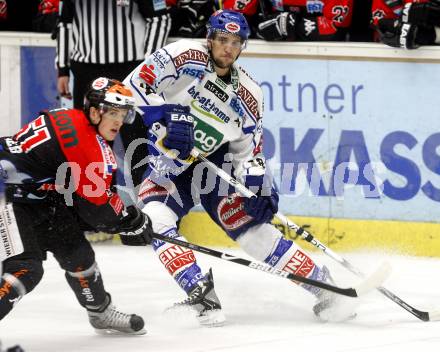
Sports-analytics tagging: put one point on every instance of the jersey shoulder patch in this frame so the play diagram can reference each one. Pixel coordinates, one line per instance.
(192, 52)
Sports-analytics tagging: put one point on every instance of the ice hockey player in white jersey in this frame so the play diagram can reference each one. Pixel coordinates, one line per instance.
(195, 95)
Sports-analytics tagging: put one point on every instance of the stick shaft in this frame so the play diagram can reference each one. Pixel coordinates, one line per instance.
(350, 292)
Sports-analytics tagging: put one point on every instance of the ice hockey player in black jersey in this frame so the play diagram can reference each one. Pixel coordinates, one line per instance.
(58, 173)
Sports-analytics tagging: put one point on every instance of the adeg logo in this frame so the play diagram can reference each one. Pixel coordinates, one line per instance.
(232, 27)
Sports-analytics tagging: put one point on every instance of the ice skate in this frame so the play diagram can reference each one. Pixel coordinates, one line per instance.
(332, 307)
(205, 302)
(109, 321)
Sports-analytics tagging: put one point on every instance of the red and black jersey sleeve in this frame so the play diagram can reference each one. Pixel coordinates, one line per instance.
(389, 9)
(32, 155)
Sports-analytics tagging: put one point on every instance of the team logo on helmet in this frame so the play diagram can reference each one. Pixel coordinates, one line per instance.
(232, 27)
(100, 83)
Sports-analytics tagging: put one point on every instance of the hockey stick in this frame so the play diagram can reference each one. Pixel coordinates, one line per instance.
(373, 281)
(422, 315)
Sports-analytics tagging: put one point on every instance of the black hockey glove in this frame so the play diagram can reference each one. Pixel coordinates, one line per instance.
(191, 12)
(404, 35)
(425, 14)
(278, 27)
(135, 229)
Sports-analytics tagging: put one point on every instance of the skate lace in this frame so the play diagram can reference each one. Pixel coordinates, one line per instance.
(194, 297)
(113, 318)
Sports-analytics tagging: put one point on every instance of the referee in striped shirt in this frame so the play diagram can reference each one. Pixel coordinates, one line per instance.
(109, 38)
(106, 38)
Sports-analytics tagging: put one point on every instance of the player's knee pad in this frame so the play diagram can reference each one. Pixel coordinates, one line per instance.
(78, 258)
(88, 286)
(162, 217)
(260, 241)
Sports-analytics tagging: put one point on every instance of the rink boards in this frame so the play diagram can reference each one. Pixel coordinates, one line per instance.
(345, 235)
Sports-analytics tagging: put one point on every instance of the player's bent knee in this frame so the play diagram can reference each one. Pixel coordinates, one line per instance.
(23, 275)
(82, 256)
(162, 217)
(259, 241)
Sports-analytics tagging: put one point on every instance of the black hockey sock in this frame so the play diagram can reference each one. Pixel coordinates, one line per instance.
(88, 286)
(19, 278)
(11, 291)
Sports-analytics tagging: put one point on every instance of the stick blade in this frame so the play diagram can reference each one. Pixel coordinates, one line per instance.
(434, 315)
(374, 280)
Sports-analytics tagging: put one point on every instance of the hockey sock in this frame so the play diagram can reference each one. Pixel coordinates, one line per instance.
(19, 278)
(87, 285)
(180, 262)
(289, 257)
(11, 291)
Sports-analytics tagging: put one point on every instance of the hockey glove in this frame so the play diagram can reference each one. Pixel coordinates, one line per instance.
(180, 131)
(191, 12)
(277, 27)
(424, 14)
(404, 35)
(135, 229)
(262, 208)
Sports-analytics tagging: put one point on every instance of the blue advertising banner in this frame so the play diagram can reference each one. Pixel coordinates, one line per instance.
(38, 81)
(344, 139)
(352, 139)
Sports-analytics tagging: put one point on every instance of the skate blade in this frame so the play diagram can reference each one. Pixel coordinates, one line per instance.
(212, 319)
(113, 332)
(336, 319)
(342, 309)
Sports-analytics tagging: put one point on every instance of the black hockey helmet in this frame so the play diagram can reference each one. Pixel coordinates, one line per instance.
(105, 93)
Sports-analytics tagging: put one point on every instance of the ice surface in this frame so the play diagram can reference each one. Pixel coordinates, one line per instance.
(264, 313)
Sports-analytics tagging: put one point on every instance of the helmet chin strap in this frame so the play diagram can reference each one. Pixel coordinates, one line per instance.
(100, 119)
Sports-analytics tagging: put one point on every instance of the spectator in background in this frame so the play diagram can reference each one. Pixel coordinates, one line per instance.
(297, 20)
(47, 16)
(109, 38)
(17, 15)
(407, 23)
(360, 29)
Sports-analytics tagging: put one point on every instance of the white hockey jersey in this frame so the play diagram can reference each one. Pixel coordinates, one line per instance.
(182, 73)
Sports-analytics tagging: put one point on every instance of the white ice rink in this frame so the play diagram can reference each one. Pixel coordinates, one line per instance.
(264, 313)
